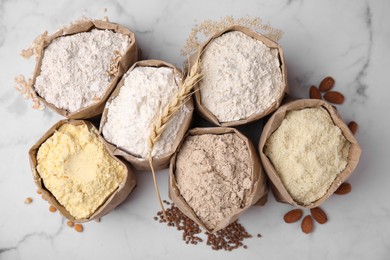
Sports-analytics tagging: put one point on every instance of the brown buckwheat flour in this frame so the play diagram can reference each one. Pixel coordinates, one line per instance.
(213, 174)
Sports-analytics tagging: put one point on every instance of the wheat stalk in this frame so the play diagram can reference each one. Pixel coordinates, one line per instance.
(161, 122)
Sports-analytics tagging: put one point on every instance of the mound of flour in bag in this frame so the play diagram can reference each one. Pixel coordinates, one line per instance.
(214, 175)
(74, 72)
(308, 151)
(241, 77)
(146, 91)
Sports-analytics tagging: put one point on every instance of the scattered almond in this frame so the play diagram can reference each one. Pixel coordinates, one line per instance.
(353, 126)
(52, 208)
(334, 97)
(344, 189)
(307, 224)
(79, 228)
(319, 215)
(314, 93)
(70, 223)
(28, 200)
(293, 216)
(326, 84)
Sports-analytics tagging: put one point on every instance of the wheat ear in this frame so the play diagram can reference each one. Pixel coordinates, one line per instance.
(161, 122)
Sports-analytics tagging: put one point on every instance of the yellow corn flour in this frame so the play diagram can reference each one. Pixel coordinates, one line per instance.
(77, 169)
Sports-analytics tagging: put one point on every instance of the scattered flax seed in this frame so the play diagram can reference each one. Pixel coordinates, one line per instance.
(228, 239)
(79, 227)
(70, 223)
(207, 28)
(39, 192)
(175, 218)
(28, 200)
(52, 208)
(259, 235)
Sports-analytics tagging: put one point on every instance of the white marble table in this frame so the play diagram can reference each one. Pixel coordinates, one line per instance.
(346, 39)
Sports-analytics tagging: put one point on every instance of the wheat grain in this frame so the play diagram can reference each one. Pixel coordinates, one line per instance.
(161, 122)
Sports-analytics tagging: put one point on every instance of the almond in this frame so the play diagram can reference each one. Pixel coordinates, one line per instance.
(344, 189)
(334, 97)
(326, 84)
(293, 216)
(307, 224)
(319, 215)
(353, 126)
(314, 93)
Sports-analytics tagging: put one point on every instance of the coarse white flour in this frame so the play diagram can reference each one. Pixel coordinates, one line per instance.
(214, 175)
(74, 72)
(241, 77)
(308, 151)
(146, 91)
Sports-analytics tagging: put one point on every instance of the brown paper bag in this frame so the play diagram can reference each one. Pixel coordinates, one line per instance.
(280, 192)
(116, 198)
(128, 59)
(206, 113)
(161, 161)
(259, 181)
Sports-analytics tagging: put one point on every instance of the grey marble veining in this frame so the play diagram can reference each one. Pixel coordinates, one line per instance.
(345, 39)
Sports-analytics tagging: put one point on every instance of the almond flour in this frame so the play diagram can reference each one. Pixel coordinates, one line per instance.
(75, 71)
(213, 174)
(308, 152)
(241, 77)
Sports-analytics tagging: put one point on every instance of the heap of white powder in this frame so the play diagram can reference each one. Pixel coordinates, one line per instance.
(74, 72)
(308, 152)
(146, 91)
(241, 77)
(214, 175)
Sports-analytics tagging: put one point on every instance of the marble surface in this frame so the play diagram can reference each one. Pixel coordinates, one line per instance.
(346, 39)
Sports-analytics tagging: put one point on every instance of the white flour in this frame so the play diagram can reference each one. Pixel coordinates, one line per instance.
(74, 72)
(146, 91)
(241, 77)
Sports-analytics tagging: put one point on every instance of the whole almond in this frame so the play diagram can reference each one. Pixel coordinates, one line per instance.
(314, 93)
(344, 189)
(307, 224)
(293, 216)
(319, 215)
(326, 84)
(334, 97)
(353, 126)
